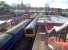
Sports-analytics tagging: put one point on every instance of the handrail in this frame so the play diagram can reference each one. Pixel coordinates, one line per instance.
(60, 27)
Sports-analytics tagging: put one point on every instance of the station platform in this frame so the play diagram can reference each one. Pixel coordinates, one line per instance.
(58, 45)
(40, 42)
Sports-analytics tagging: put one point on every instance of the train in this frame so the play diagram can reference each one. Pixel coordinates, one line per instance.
(11, 36)
(31, 29)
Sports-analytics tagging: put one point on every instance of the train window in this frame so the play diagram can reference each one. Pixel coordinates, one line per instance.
(29, 31)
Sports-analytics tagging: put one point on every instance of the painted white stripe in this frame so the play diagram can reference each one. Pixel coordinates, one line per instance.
(51, 46)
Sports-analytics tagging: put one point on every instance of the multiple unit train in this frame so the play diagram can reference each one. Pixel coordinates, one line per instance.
(31, 29)
(10, 37)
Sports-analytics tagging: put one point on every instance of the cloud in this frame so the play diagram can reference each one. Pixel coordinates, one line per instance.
(41, 3)
(59, 4)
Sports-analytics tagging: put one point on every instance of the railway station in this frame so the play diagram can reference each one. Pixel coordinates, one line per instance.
(24, 27)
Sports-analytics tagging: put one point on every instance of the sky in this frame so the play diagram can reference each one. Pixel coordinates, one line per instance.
(41, 3)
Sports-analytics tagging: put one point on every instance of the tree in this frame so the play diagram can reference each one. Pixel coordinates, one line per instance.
(4, 8)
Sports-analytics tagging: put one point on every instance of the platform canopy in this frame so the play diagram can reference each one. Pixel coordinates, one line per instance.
(58, 28)
(53, 19)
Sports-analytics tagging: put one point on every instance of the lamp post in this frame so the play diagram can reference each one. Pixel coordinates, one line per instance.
(46, 9)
